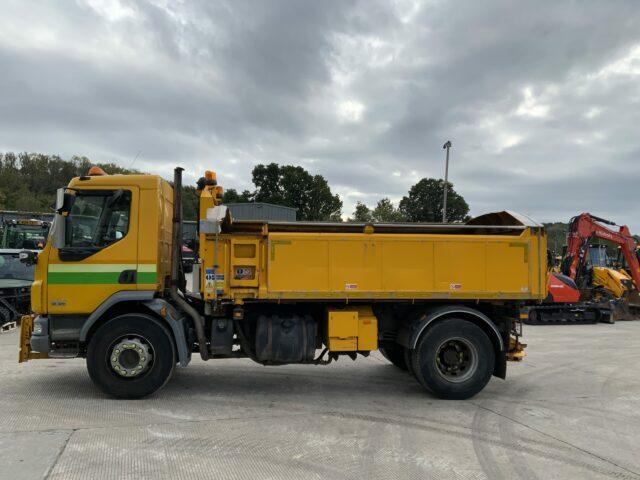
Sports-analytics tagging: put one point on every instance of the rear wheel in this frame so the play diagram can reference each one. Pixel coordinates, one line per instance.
(131, 356)
(395, 354)
(453, 359)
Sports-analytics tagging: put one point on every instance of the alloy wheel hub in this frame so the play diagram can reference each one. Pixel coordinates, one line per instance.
(456, 360)
(130, 357)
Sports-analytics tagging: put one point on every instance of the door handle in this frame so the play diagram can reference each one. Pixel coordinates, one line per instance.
(127, 276)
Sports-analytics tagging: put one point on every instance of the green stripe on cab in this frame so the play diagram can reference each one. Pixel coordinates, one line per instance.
(91, 278)
(147, 277)
(98, 274)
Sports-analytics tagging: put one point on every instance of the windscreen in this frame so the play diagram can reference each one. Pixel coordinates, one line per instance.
(598, 256)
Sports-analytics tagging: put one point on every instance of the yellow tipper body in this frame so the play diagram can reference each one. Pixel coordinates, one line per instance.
(285, 262)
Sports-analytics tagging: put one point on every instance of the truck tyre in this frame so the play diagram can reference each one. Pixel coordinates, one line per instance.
(395, 354)
(453, 359)
(131, 356)
(408, 360)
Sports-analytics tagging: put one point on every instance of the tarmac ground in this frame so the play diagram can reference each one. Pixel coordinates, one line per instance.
(571, 409)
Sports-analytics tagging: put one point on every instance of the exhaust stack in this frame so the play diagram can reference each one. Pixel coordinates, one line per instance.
(177, 275)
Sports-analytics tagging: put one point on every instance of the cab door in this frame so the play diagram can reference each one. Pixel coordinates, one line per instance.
(100, 252)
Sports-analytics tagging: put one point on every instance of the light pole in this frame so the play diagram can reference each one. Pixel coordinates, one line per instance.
(446, 146)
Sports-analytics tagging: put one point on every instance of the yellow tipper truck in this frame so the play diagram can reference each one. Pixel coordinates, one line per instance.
(438, 300)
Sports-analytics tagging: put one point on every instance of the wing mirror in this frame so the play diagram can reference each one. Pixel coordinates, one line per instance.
(64, 201)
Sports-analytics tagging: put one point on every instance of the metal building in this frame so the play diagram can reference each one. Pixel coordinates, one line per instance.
(262, 211)
(243, 211)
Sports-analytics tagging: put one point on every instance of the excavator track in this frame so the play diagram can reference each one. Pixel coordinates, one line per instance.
(566, 314)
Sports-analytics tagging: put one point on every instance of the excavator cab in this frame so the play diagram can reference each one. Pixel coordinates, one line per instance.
(598, 256)
(607, 282)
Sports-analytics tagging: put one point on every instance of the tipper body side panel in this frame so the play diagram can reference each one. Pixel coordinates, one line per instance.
(377, 266)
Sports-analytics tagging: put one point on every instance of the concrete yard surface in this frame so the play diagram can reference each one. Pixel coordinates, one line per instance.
(570, 410)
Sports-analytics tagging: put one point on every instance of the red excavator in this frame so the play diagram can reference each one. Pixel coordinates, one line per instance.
(588, 289)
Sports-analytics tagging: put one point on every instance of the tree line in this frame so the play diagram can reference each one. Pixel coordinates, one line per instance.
(28, 182)
(423, 203)
(311, 196)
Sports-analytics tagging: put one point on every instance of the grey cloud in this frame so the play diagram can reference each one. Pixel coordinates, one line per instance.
(363, 92)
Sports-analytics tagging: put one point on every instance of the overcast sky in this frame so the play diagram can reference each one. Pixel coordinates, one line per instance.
(541, 101)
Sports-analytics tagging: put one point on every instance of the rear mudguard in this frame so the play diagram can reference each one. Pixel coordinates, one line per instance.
(408, 336)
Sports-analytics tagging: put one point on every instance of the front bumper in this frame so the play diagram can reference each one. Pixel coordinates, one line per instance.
(40, 340)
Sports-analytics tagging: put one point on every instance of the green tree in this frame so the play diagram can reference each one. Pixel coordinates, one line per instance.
(362, 213)
(190, 202)
(295, 187)
(424, 202)
(232, 196)
(10, 179)
(29, 180)
(386, 212)
(556, 236)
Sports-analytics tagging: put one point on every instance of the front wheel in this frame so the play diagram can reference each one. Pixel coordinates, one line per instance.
(131, 356)
(453, 359)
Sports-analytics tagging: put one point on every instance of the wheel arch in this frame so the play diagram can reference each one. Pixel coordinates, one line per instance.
(140, 302)
(409, 336)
